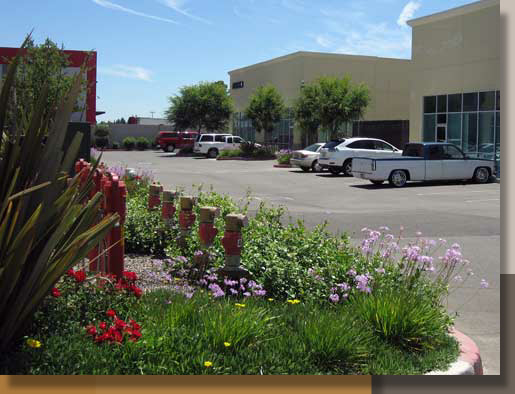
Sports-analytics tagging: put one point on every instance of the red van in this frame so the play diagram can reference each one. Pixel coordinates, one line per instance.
(171, 140)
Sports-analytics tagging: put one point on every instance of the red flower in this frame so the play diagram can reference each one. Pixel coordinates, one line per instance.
(118, 337)
(131, 276)
(121, 285)
(134, 325)
(91, 330)
(55, 292)
(120, 324)
(80, 276)
(135, 336)
(102, 338)
(137, 291)
(70, 272)
(111, 313)
(102, 326)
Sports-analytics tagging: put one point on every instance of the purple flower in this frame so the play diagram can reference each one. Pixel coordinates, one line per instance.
(202, 282)
(352, 272)
(251, 284)
(188, 295)
(182, 259)
(384, 228)
(246, 294)
(362, 282)
(259, 293)
(198, 253)
(484, 284)
(343, 286)
(380, 270)
(230, 283)
(212, 277)
(243, 280)
(334, 298)
(233, 292)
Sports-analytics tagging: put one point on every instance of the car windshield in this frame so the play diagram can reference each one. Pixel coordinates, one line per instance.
(312, 148)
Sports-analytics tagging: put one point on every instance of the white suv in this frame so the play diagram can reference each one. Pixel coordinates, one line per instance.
(212, 144)
(337, 155)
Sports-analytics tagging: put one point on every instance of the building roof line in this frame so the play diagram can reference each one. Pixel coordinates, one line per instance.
(311, 53)
(458, 11)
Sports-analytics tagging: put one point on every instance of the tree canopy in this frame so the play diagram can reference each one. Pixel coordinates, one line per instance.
(329, 102)
(204, 106)
(265, 108)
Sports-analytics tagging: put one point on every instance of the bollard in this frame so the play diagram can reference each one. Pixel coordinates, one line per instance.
(232, 242)
(207, 233)
(186, 220)
(94, 254)
(154, 196)
(116, 193)
(168, 209)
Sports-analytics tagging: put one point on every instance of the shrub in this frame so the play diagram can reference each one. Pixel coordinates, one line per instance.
(142, 143)
(230, 153)
(129, 143)
(115, 145)
(284, 156)
(102, 131)
(264, 152)
(101, 142)
(247, 149)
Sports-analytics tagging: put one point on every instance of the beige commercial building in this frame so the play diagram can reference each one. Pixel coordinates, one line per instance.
(448, 91)
(455, 78)
(387, 79)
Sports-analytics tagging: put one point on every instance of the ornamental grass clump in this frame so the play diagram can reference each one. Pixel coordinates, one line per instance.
(46, 224)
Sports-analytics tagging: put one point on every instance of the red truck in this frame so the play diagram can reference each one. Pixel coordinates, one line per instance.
(171, 140)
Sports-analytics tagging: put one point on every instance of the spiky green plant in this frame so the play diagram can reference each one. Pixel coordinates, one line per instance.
(46, 226)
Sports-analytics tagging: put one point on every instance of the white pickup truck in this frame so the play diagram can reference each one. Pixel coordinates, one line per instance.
(212, 144)
(423, 162)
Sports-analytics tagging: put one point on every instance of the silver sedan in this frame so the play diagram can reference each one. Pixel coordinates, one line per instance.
(307, 158)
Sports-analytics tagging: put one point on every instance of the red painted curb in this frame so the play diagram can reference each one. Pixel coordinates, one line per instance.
(241, 158)
(282, 165)
(469, 351)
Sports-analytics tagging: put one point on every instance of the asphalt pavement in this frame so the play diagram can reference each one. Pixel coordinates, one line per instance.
(461, 212)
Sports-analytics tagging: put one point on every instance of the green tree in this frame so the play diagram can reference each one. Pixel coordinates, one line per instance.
(340, 101)
(306, 112)
(204, 106)
(40, 65)
(265, 108)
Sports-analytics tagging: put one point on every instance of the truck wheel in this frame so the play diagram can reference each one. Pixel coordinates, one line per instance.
(377, 182)
(398, 178)
(305, 169)
(347, 167)
(316, 167)
(212, 153)
(170, 148)
(335, 170)
(481, 175)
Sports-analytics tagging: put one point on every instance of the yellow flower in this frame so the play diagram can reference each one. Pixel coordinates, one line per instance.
(227, 344)
(293, 302)
(33, 343)
(208, 364)
(240, 305)
(270, 299)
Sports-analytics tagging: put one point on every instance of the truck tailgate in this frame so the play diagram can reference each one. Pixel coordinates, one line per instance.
(362, 165)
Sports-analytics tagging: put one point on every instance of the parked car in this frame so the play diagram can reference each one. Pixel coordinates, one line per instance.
(424, 162)
(307, 158)
(337, 155)
(212, 144)
(171, 140)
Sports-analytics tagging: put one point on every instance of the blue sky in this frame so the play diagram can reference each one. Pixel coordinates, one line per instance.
(148, 49)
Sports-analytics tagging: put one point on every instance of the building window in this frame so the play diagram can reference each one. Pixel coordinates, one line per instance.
(237, 85)
(469, 120)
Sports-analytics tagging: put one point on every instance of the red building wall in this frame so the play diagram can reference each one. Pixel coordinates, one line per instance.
(76, 59)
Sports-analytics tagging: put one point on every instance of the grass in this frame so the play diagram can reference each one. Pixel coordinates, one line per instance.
(263, 337)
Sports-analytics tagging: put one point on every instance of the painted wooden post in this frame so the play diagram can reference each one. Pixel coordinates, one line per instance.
(154, 198)
(168, 208)
(232, 242)
(186, 219)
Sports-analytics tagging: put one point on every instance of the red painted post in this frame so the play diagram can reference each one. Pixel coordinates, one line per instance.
(186, 219)
(93, 255)
(116, 196)
(154, 198)
(232, 242)
(168, 208)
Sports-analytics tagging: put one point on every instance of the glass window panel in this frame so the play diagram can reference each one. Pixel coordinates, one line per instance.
(429, 128)
(440, 133)
(436, 152)
(470, 102)
(441, 103)
(486, 146)
(429, 104)
(451, 152)
(486, 101)
(454, 129)
(470, 132)
(442, 118)
(498, 100)
(455, 102)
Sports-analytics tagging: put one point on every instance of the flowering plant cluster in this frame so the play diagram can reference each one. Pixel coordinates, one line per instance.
(283, 156)
(220, 287)
(117, 332)
(128, 283)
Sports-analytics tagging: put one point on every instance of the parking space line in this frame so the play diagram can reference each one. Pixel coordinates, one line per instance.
(488, 199)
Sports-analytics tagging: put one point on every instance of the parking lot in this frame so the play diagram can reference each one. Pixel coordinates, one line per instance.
(461, 212)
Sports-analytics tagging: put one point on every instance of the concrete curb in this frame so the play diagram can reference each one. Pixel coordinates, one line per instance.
(469, 361)
(282, 165)
(242, 158)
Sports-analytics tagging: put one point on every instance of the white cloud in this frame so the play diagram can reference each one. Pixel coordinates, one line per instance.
(124, 71)
(178, 6)
(323, 41)
(407, 12)
(294, 5)
(117, 7)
